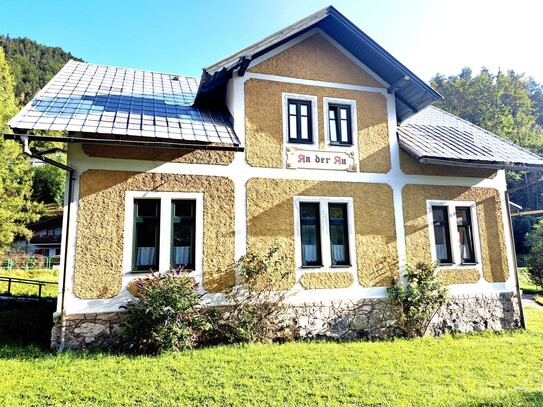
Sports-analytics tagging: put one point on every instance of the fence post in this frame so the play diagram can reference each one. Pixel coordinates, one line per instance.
(48, 263)
(9, 264)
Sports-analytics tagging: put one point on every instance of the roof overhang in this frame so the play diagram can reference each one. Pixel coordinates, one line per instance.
(411, 94)
(119, 141)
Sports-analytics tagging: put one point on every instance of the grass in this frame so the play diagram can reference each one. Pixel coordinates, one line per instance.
(479, 369)
(19, 289)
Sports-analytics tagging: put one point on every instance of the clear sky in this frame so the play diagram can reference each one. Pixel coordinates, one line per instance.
(180, 36)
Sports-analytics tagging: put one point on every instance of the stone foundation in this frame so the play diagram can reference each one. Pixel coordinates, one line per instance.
(365, 318)
(101, 330)
(477, 312)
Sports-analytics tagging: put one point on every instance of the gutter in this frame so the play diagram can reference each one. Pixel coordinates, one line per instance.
(483, 164)
(24, 140)
(124, 142)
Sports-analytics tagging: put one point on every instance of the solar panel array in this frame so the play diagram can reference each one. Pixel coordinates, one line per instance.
(99, 99)
(434, 133)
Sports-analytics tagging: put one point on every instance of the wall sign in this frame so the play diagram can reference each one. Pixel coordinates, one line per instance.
(320, 159)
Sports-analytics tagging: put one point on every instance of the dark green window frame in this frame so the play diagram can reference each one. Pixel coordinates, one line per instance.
(183, 232)
(146, 242)
(343, 134)
(441, 229)
(296, 121)
(311, 259)
(335, 238)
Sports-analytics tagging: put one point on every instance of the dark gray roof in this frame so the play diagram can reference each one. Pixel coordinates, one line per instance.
(412, 97)
(91, 98)
(438, 137)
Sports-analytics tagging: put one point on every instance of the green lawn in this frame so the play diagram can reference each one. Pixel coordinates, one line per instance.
(479, 369)
(19, 289)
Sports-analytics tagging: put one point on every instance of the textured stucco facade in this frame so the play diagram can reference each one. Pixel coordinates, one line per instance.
(490, 222)
(100, 227)
(376, 249)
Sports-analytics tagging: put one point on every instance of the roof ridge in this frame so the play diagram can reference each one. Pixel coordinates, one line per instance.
(134, 69)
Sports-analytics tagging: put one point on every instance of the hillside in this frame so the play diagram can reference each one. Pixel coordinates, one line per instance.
(32, 65)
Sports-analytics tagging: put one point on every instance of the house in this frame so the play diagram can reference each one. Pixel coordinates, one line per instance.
(46, 237)
(314, 137)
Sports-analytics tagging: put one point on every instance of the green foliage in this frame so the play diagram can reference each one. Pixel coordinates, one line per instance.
(32, 64)
(48, 184)
(256, 310)
(16, 208)
(166, 315)
(417, 302)
(534, 259)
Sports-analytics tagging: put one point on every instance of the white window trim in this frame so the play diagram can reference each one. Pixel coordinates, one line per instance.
(314, 121)
(325, 235)
(453, 232)
(166, 199)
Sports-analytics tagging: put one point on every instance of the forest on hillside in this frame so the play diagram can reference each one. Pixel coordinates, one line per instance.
(32, 65)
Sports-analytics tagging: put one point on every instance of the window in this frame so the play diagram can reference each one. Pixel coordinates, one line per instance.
(325, 229)
(163, 230)
(454, 232)
(146, 233)
(340, 122)
(310, 233)
(299, 121)
(183, 233)
(339, 125)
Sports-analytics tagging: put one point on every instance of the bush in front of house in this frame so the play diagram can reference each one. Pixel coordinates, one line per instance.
(417, 301)
(166, 315)
(256, 310)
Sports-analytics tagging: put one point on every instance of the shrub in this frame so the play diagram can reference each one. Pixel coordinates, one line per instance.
(534, 259)
(166, 315)
(256, 311)
(419, 299)
(534, 262)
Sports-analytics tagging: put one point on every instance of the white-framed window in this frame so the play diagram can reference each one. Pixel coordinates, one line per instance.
(300, 119)
(324, 232)
(163, 230)
(454, 234)
(340, 122)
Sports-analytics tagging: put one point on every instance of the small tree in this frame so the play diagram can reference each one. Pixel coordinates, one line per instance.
(256, 310)
(419, 299)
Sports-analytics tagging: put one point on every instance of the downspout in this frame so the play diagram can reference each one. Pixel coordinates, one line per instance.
(515, 268)
(26, 150)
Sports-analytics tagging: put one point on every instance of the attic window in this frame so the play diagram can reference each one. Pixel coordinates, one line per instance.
(299, 122)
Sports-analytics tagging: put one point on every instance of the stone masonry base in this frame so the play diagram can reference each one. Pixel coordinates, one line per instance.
(365, 318)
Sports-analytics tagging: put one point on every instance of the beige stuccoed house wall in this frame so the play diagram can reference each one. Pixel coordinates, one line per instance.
(249, 199)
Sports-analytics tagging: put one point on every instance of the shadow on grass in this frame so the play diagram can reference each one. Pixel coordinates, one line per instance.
(26, 327)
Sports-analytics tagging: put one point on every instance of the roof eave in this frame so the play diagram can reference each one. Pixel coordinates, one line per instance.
(496, 165)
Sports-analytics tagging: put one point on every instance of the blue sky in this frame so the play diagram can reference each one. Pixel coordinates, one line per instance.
(428, 36)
